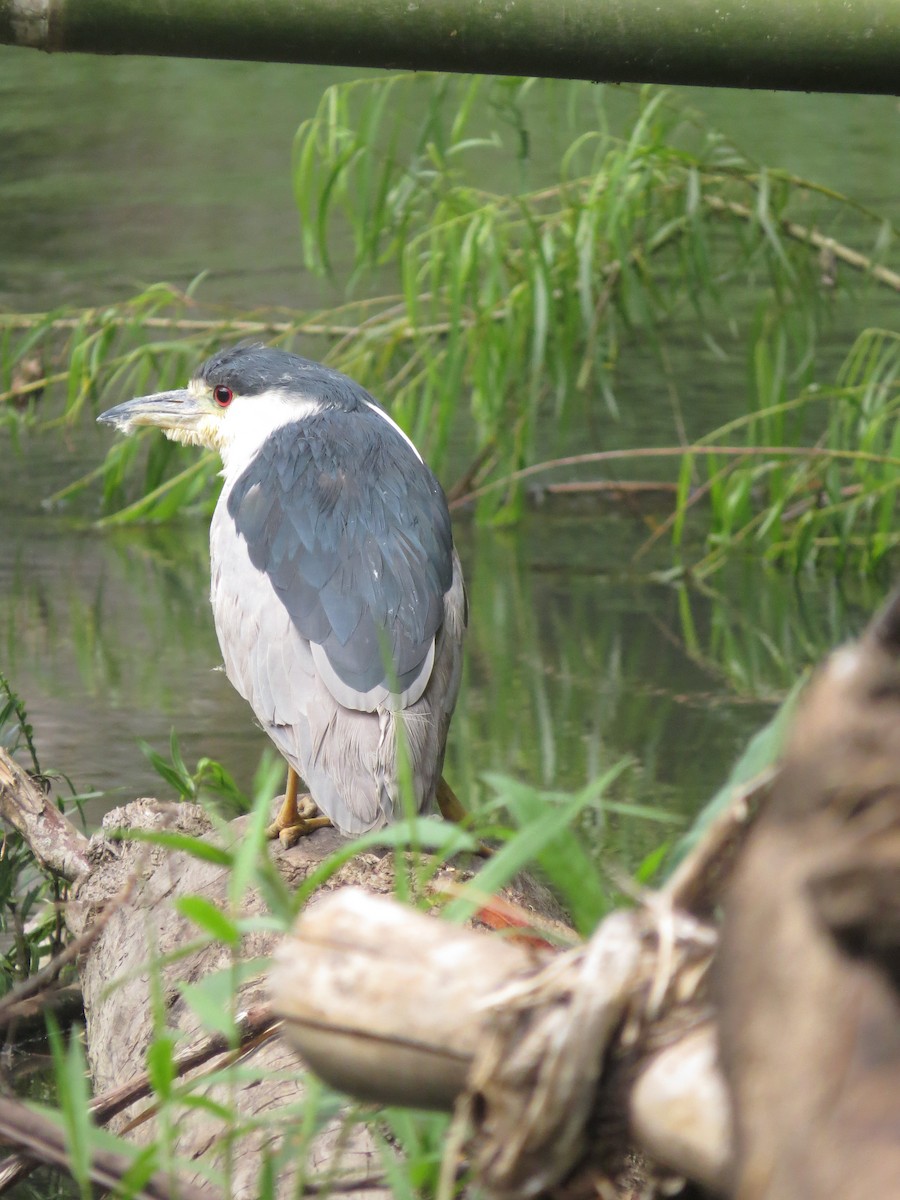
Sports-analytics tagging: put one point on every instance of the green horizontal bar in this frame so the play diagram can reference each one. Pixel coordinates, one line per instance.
(809, 45)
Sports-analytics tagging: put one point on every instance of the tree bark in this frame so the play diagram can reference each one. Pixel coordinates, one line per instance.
(125, 998)
(760, 1059)
(826, 45)
(54, 841)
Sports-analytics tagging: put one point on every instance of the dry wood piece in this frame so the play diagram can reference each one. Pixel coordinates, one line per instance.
(379, 1006)
(116, 979)
(561, 1062)
(117, 974)
(679, 1109)
(809, 965)
(536, 1075)
(31, 1132)
(54, 841)
(393, 1005)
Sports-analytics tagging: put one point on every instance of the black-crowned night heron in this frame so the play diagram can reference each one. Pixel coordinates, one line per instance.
(337, 593)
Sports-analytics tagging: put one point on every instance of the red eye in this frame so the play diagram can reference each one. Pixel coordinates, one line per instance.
(223, 395)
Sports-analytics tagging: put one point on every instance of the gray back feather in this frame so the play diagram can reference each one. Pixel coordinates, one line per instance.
(353, 532)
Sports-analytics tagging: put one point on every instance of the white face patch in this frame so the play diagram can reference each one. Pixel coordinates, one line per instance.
(381, 413)
(249, 420)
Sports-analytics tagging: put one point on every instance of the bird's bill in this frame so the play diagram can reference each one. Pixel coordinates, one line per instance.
(181, 410)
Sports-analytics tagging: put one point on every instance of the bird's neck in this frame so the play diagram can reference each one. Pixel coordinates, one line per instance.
(251, 425)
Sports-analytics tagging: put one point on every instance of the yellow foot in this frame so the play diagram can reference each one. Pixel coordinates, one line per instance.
(298, 818)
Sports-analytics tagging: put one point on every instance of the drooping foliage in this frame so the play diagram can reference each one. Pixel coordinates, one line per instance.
(500, 323)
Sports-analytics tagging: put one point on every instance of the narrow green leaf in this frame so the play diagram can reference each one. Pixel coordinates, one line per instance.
(160, 1064)
(74, 1100)
(209, 918)
(175, 841)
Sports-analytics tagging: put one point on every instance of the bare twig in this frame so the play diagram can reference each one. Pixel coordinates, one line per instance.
(347, 1183)
(14, 1168)
(613, 487)
(707, 448)
(29, 1012)
(256, 1024)
(467, 480)
(812, 237)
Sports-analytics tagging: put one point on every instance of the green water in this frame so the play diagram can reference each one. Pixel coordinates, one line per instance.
(118, 173)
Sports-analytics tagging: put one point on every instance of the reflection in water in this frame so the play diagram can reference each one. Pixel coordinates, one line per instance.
(108, 640)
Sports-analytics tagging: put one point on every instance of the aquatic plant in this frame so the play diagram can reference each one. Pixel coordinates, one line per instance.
(513, 315)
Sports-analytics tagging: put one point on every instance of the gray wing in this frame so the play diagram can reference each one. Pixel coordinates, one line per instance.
(352, 531)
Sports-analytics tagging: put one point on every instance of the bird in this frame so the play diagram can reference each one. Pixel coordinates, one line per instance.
(337, 592)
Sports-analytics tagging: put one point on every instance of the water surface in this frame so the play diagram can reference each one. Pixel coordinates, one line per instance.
(116, 173)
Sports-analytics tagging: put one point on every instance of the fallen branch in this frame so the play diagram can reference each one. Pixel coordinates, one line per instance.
(23, 1126)
(561, 1064)
(54, 841)
(28, 1014)
(253, 1027)
(390, 1005)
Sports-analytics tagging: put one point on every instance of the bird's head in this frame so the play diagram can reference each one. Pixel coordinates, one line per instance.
(238, 397)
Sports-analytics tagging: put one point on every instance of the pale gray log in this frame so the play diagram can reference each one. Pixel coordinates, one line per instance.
(54, 841)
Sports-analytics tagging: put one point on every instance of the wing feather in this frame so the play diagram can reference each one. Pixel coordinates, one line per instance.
(352, 530)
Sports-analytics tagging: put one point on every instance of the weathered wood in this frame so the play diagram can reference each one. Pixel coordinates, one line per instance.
(536, 1075)
(35, 1134)
(54, 841)
(679, 1110)
(391, 1005)
(380, 1006)
(809, 966)
(116, 980)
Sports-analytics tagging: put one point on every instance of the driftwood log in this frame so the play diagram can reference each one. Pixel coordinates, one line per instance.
(655, 1039)
(121, 913)
(660, 1030)
(809, 968)
(390, 1005)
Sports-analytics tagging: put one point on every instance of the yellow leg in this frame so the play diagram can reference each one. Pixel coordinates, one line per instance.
(448, 803)
(297, 818)
(452, 810)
